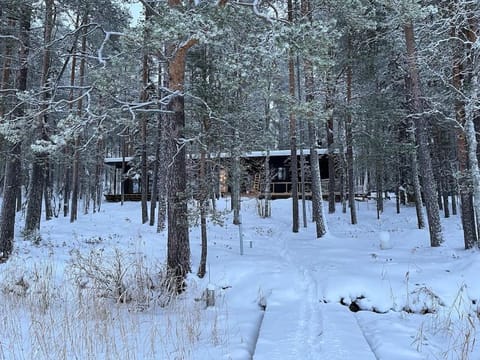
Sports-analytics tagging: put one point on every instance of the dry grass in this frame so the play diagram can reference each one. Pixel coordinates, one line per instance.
(105, 307)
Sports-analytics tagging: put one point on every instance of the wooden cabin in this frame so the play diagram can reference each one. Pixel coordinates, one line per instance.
(119, 179)
(254, 179)
(119, 174)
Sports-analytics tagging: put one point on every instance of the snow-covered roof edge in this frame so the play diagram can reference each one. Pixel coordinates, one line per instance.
(250, 154)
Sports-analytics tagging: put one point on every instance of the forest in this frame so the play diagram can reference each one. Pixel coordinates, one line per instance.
(388, 86)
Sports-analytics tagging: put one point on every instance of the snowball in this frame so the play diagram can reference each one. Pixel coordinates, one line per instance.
(385, 242)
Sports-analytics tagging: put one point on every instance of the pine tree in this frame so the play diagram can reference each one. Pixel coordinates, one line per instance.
(421, 132)
(13, 167)
(37, 176)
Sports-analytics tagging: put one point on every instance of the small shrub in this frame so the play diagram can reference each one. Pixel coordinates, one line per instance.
(125, 279)
(33, 236)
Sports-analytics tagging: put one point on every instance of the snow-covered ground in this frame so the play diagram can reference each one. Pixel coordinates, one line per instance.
(289, 296)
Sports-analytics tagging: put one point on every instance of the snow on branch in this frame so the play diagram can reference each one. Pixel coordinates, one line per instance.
(254, 5)
(108, 34)
(152, 106)
(11, 37)
(258, 13)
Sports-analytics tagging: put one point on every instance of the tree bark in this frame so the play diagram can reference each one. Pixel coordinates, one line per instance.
(34, 206)
(293, 133)
(203, 197)
(75, 179)
(178, 254)
(37, 178)
(6, 67)
(144, 169)
(330, 146)
(470, 235)
(472, 156)
(471, 113)
(379, 183)
(12, 185)
(349, 138)
(317, 196)
(68, 175)
(77, 141)
(48, 191)
(164, 152)
(143, 118)
(235, 184)
(8, 212)
(155, 170)
(417, 189)
(266, 211)
(98, 186)
(421, 132)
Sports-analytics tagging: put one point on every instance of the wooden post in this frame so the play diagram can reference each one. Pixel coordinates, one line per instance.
(210, 295)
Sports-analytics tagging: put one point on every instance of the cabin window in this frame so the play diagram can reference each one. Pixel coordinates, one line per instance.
(136, 186)
(282, 174)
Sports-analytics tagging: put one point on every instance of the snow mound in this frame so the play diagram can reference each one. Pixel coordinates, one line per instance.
(385, 241)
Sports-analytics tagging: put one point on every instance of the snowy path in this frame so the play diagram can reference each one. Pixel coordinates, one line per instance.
(303, 282)
(343, 338)
(310, 328)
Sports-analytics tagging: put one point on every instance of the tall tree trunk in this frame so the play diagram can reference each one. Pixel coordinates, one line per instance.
(12, 185)
(317, 196)
(75, 179)
(472, 149)
(349, 138)
(48, 191)
(470, 235)
(154, 195)
(7, 67)
(98, 186)
(144, 169)
(417, 189)
(76, 150)
(266, 211)
(446, 202)
(301, 131)
(8, 212)
(164, 155)
(163, 176)
(330, 145)
(421, 132)
(293, 132)
(155, 170)
(178, 254)
(143, 118)
(68, 175)
(379, 183)
(37, 178)
(34, 206)
(203, 197)
(472, 34)
(86, 191)
(235, 185)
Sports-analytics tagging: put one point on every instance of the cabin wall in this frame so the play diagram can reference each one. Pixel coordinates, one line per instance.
(253, 176)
